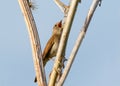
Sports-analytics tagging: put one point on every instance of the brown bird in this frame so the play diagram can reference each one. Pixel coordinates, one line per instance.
(52, 44)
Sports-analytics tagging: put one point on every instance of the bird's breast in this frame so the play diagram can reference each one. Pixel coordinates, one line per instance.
(55, 48)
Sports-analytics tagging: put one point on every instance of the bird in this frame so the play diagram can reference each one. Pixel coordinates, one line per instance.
(52, 45)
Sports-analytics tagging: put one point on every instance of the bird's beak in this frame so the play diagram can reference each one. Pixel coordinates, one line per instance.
(60, 24)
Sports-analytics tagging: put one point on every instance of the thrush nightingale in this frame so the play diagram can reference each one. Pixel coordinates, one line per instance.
(52, 44)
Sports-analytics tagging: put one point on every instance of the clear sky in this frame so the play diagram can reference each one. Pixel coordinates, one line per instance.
(97, 62)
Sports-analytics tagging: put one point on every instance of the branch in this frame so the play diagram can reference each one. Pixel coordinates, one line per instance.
(62, 6)
(78, 42)
(63, 41)
(35, 42)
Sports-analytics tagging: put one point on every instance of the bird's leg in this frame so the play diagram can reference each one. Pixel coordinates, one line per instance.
(58, 71)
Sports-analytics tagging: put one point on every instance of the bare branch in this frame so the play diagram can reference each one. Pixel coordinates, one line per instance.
(35, 42)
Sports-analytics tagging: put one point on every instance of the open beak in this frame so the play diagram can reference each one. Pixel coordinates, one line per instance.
(60, 24)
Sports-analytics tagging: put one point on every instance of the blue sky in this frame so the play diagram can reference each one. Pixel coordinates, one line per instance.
(97, 62)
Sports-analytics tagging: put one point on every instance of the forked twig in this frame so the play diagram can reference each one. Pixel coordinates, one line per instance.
(78, 42)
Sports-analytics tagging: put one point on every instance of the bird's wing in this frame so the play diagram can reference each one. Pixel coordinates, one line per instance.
(48, 47)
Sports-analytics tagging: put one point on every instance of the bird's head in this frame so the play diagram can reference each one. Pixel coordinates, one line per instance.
(57, 29)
